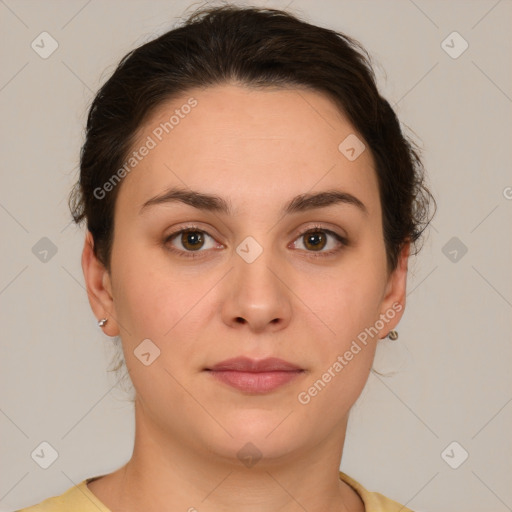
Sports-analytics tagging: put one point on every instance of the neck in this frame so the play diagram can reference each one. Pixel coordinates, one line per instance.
(178, 476)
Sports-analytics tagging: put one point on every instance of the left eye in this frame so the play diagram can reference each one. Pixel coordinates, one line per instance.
(314, 240)
(318, 239)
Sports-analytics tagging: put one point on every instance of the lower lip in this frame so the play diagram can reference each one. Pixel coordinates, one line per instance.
(252, 382)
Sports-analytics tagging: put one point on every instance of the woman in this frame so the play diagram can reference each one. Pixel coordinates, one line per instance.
(251, 205)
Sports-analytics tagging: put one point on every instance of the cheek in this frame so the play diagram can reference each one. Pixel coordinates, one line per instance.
(343, 358)
(148, 300)
(349, 304)
(349, 299)
(172, 307)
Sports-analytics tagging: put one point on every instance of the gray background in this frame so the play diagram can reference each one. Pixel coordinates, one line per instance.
(450, 368)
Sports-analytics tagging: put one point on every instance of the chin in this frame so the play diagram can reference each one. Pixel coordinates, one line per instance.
(257, 434)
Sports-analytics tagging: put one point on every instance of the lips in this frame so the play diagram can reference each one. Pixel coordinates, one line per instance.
(244, 364)
(253, 376)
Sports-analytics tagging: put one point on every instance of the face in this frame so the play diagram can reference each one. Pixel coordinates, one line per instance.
(281, 272)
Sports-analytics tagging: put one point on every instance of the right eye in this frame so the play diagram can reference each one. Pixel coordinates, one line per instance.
(191, 240)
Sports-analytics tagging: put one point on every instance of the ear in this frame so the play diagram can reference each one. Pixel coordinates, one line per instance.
(393, 304)
(99, 287)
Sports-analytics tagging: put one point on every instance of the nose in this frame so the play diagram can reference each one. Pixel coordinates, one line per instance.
(257, 296)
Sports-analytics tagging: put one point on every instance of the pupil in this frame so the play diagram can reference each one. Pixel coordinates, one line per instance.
(312, 237)
(193, 238)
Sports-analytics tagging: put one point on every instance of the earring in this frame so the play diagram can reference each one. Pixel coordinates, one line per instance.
(102, 322)
(392, 335)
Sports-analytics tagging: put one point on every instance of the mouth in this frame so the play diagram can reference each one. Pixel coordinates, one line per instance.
(252, 376)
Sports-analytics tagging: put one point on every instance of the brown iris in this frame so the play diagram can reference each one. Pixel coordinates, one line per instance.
(192, 240)
(317, 239)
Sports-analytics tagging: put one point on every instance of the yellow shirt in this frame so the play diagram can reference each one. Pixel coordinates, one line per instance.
(80, 499)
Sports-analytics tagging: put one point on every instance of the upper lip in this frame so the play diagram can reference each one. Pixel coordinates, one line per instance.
(245, 364)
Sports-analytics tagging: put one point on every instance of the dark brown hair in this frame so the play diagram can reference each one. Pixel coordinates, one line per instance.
(257, 47)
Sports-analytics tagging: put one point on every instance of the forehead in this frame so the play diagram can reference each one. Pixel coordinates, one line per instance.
(249, 144)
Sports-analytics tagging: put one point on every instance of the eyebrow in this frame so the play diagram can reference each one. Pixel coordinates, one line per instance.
(217, 204)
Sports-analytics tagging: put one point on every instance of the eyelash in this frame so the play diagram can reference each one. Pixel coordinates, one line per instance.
(313, 229)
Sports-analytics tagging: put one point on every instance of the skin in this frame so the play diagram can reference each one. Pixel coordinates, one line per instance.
(257, 149)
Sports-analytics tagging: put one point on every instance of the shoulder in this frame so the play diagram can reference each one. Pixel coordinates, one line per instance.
(373, 501)
(77, 498)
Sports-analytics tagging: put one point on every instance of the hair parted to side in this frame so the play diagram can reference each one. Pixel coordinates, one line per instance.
(255, 47)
